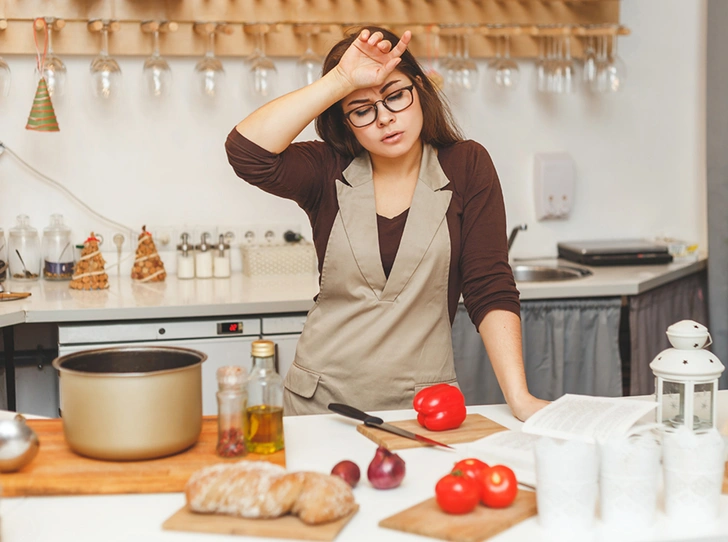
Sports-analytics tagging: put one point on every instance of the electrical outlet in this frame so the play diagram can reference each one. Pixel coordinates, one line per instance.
(163, 237)
(106, 234)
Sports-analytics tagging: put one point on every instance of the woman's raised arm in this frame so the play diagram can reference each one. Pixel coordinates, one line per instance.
(367, 62)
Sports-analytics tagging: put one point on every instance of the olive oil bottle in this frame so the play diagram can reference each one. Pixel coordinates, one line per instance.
(264, 413)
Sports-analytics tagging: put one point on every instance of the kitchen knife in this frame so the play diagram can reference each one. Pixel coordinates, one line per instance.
(373, 421)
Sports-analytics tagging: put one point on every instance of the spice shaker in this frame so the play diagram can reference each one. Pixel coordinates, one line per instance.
(203, 258)
(24, 250)
(264, 414)
(185, 258)
(221, 261)
(3, 257)
(231, 404)
(58, 257)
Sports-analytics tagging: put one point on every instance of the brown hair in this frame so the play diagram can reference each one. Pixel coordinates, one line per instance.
(438, 128)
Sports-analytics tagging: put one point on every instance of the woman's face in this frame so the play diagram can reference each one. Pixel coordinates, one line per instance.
(389, 133)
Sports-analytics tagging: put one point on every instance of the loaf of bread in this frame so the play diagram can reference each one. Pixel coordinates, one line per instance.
(258, 489)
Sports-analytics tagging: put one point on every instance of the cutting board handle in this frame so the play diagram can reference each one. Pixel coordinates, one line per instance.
(351, 412)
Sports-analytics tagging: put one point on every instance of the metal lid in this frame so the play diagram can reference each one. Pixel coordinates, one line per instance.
(231, 377)
(263, 349)
(184, 246)
(221, 244)
(203, 246)
(682, 364)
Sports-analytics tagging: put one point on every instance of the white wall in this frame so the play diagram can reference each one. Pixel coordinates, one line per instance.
(640, 154)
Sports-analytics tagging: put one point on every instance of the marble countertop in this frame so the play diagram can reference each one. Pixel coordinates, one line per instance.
(243, 295)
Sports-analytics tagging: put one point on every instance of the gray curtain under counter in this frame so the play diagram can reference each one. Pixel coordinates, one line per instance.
(651, 313)
(569, 346)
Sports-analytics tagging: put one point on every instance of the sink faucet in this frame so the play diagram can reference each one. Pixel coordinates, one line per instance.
(514, 232)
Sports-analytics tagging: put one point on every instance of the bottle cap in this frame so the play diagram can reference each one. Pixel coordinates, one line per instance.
(185, 245)
(231, 377)
(222, 246)
(203, 246)
(263, 349)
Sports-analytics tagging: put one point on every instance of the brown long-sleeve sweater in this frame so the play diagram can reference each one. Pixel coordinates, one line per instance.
(306, 173)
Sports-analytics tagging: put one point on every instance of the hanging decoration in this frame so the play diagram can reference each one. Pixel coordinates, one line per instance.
(42, 117)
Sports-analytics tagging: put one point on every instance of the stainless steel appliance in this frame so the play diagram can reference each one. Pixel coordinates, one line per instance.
(614, 252)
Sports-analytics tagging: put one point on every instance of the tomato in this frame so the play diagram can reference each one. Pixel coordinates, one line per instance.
(457, 494)
(499, 486)
(472, 468)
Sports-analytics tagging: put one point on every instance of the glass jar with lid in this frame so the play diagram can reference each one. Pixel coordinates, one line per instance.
(231, 403)
(265, 401)
(221, 259)
(3, 257)
(58, 257)
(185, 258)
(23, 250)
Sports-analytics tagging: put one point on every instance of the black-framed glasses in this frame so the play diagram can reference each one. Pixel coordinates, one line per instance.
(396, 101)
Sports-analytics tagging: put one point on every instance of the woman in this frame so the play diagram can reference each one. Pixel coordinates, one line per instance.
(405, 216)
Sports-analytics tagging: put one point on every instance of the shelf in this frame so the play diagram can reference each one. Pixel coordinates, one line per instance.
(425, 17)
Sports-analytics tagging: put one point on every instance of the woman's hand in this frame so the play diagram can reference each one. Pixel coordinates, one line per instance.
(526, 406)
(370, 59)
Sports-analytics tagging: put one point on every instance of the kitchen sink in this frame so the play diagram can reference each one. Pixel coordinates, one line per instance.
(547, 273)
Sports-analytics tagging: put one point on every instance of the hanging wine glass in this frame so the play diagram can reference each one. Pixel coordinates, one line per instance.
(309, 65)
(105, 71)
(157, 73)
(432, 64)
(209, 72)
(4, 78)
(506, 72)
(468, 68)
(53, 69)
(262, 72)
(616, 69)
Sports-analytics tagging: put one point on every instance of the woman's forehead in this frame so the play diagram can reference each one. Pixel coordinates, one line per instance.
(395, 80)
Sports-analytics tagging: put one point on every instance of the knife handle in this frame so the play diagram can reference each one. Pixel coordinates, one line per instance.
(351, 412)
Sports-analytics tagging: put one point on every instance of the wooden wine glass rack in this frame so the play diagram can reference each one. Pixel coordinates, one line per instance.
(183, 23)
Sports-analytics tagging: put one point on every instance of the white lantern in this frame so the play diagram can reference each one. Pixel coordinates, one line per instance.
(686, 379)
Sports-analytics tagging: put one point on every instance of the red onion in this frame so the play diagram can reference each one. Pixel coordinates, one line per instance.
(386, 470)
(348, 470)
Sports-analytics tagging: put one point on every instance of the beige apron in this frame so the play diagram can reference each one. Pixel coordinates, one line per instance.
(369, 341)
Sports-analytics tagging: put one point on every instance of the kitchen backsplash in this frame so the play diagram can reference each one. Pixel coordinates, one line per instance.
(639, 154)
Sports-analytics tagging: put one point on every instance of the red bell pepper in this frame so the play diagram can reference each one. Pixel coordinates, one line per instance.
(440, 407)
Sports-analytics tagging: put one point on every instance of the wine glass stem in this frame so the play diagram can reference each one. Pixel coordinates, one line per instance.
(309, 42)
(260, 43)
(507, 47)
(211, 45)
(49, 34)
(104, 41)
(155, 42)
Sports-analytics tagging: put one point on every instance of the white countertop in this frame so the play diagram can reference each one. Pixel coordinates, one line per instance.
(312, 443)
(242, 295)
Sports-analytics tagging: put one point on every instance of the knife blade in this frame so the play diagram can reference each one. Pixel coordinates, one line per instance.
(374, 421)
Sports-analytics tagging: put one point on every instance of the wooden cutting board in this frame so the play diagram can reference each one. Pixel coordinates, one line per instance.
(57, 470)
(283, 527)
(725, 479)
(473, 428)
(427, 519)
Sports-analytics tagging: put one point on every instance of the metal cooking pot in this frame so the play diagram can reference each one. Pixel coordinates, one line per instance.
(131, 403)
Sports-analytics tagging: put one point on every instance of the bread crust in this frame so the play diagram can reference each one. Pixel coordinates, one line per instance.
(258, 489)
(323, 498)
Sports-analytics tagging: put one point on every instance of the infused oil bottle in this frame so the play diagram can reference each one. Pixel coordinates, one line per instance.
(265, 401)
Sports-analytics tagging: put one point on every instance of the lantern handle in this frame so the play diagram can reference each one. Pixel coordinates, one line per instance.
(710, 341)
